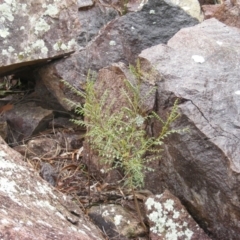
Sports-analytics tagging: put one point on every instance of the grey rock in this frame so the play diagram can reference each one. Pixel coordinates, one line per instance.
(48, 173)
(92, 20)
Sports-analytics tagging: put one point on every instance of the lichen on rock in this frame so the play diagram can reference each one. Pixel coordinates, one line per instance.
(30, 31)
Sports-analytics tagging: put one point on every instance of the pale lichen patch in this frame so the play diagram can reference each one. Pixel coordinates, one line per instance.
(60, 46)
(11, 49)
(112, 43)
(44, 189)
(105, 213)
(4, 32)
(4, 52)
(24, 6)
(44, 205)
(198, 58)
(41, 26)
(63, 47)
(118, 219)
(4, 221)
(166, 220)
(6, 11)
(52, 10)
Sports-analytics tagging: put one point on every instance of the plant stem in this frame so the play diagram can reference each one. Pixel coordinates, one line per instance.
(138, 210)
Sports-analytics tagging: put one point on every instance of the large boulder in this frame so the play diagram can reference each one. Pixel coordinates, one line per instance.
(200, 66)
(36, 31)
(121, 39)
(32, 209)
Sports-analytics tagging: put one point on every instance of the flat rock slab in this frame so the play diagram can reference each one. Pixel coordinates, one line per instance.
(31, 209)
(36, 30)
(200, 66)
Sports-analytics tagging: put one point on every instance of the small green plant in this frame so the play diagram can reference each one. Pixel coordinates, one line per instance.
(119, 137)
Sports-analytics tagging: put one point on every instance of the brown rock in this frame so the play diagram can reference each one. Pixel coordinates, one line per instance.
(228, 12)
(201, 167)
(31, 209)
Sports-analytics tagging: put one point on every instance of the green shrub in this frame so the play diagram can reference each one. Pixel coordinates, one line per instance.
(119, 137)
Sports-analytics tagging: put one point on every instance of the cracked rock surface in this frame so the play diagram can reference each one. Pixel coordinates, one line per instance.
(200, 66)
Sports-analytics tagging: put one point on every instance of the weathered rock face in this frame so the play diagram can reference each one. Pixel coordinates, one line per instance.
(168, 219)
(36, 30)
(31, 209)
(200, 66)
(120, 40)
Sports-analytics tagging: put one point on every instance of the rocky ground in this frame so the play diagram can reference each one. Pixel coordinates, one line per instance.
(49, 186)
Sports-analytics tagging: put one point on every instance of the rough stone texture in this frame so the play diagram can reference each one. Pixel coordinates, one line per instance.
(27, 119)
(192, 7)
(31, 209)
(36, 30)
(92, 19)
(116, 222)
(200, 65)
(228, 12)
(120, 40)
(169, 220)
